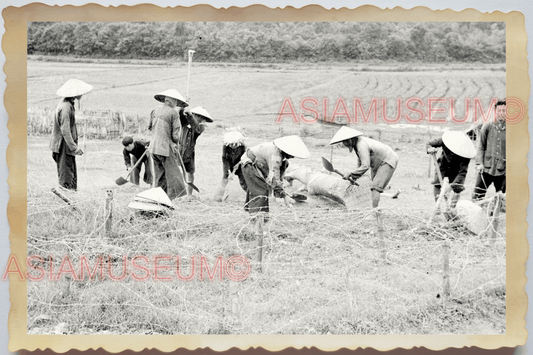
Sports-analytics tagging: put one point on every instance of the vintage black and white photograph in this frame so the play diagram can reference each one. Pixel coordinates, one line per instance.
(266, 178)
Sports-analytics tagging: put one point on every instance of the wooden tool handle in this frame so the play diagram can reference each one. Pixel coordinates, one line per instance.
(137, 163)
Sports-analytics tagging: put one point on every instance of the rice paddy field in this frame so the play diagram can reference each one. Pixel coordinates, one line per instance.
(324, 270)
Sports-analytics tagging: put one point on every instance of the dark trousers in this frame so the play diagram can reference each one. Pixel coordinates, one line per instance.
(168, 176)
(257, 191)
(135, 174)
(483, 182)
(66, 168)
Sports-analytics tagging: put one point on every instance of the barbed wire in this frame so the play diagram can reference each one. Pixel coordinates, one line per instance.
(322, 249)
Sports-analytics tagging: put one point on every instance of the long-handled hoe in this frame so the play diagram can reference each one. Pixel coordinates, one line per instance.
(121, 181)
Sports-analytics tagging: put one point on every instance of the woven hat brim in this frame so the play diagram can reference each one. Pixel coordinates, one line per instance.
(207, 119)
(147, 206)
(73, 88)
(171, 93)
(293, 145)
(200, 111)
(343, 134)
(459, 143)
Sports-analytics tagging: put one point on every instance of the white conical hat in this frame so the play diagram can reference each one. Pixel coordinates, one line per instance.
(459, 143)
(170, 93)
(147, 206)
(202, 112)
(345, 133)
(293, 145)
(233, 137)
(156, 196)
(73, 88)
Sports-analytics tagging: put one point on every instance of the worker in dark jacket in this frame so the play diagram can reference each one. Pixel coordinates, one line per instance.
(193, 124)
(491, 156)
(457, 150)
(232, 151)
(133, 151)
(165, 126)
(64, 139)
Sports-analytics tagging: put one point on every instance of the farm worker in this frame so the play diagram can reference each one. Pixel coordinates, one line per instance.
(133, 151)
(374, 155)
(64, 140)
(193, 123)
(232, 150)
(165, 126)
(457, 150)
(491, 154)
(263, 167)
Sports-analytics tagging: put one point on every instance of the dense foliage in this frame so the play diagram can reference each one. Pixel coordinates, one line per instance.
(274, 41)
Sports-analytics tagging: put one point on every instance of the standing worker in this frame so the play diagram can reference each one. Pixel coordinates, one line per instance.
(193, 123)
(457, 150)
(133, 151)
(165, 126)
(491, 154)
(374, 155)
(64, 140)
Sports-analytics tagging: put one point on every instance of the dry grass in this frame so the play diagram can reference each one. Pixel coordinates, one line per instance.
(323, 272)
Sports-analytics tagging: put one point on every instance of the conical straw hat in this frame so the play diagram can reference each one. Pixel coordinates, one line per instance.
(459, 143)
(202, 112)
(293, 145)
(156, 196)
(233, 137)
(170, 93)
(73, 88)
(345, 133)
(147, 206)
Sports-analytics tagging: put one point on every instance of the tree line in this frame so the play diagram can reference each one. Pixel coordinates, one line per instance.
(426, 42)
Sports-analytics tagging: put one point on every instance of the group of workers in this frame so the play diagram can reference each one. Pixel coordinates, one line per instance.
(458, 149)
(260, 169)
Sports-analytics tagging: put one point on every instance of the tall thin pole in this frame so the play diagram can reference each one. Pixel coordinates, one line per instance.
(190, 53)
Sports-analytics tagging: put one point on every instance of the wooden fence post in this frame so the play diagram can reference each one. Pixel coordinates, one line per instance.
(446, 271)
(380, 233)
(259, 223)
(152, 168)
(495, 217)
(331, 149)
(108, 212)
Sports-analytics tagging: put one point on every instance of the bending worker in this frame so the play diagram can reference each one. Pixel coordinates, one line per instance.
(232, 151)
(457, 150)
(133, 151)
(263, 168)
(374, 155)
(193, 123)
